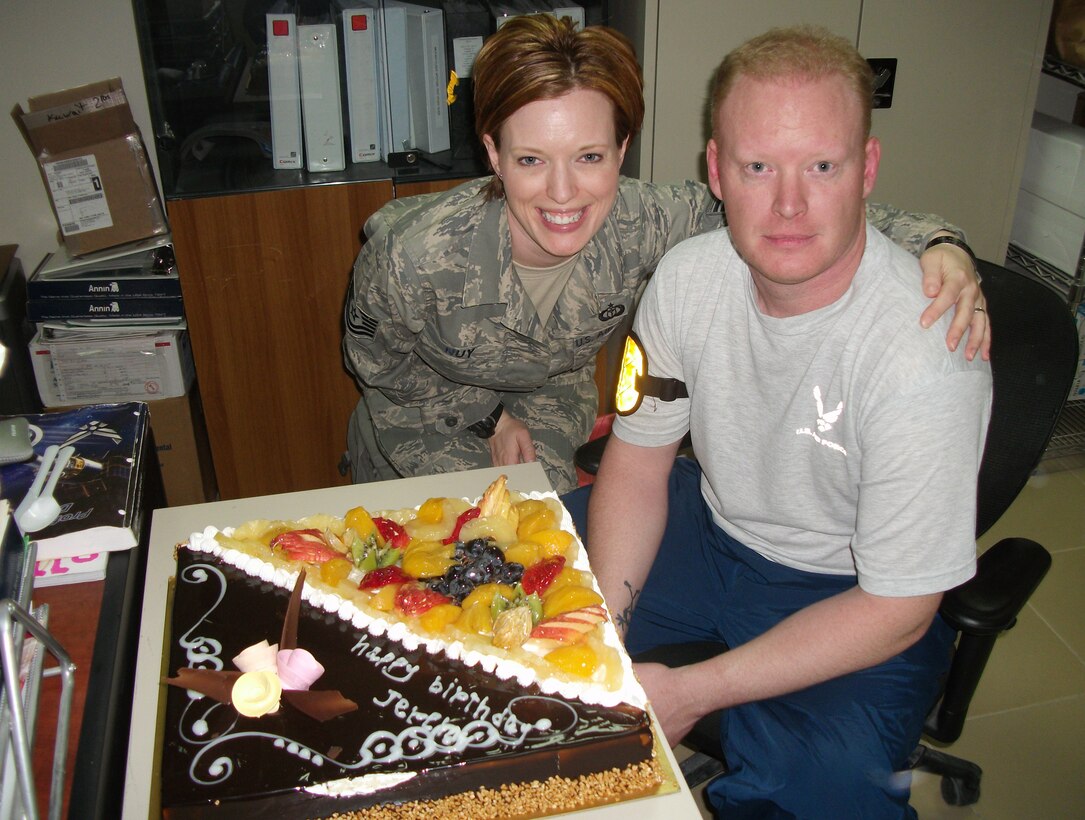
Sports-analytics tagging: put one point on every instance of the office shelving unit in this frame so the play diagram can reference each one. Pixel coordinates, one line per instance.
(1068, 442)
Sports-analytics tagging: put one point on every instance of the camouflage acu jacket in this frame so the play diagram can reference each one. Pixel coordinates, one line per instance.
(438, 320)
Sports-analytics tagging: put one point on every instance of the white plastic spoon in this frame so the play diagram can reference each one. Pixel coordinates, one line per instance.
(44, 510)
(39, 479)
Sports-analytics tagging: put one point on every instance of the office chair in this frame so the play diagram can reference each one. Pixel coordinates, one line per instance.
(1034, 355)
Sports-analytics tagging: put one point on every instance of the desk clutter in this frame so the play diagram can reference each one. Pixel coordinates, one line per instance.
(78, 494)
(109, 327)
(87, 484)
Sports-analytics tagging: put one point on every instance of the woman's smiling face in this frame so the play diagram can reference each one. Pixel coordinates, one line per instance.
(559, 161)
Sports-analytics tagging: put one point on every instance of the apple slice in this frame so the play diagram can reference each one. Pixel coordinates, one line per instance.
(564, 630)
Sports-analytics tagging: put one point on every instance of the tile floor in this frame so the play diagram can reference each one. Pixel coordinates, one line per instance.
(1026, 726)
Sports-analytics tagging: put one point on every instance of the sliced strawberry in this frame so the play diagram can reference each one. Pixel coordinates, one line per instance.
(305, 545)
(414, 599)
(393, 534)
(377, 578)
(539, 576)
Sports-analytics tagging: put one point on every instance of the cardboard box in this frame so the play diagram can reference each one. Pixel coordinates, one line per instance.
(1055, 163)
(94, 165)
(75, 367)
(1047, 231)
(184, 452)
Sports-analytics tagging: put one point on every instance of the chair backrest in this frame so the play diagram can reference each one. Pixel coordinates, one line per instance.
(1034, 355)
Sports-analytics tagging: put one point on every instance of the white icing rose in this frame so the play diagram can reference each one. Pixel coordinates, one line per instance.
(256, 694)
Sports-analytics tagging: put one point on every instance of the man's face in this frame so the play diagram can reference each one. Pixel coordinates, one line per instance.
(792, 165)
(559, 160)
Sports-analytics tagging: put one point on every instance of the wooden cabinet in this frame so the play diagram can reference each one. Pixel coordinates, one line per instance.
(955, 135)
(264, 278)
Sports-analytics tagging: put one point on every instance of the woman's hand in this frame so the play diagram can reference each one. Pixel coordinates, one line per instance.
(950, 278)
(511, 442)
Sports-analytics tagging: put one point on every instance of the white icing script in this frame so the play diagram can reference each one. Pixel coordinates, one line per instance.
(202, 652)
(390, 665)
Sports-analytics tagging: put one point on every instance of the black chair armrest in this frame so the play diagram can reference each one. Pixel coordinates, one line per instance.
(588, 456)
(981, 609)
(1006, 575)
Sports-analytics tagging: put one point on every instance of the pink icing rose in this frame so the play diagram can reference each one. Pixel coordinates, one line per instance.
(298, 669)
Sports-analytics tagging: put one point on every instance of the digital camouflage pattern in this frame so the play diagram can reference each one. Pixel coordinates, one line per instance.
(439, 328)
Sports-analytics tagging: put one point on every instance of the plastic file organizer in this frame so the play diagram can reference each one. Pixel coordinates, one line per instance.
(24, 634)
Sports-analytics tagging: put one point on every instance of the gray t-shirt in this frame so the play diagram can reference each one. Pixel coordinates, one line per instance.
(842, 441)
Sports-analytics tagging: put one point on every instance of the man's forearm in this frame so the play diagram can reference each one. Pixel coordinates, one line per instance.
(626, 517)
(848, 632)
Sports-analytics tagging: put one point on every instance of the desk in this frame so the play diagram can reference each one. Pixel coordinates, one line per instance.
(96, 622)
(175, 524)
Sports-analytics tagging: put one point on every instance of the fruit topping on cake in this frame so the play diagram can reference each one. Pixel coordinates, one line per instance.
(504, 577)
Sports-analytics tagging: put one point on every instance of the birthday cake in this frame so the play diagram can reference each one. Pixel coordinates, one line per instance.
(450, 660)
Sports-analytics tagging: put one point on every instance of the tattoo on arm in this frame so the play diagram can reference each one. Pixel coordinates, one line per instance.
(624, 617)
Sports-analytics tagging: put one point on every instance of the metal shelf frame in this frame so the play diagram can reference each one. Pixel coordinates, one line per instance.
(1064, 71)
(20, 621)
(1069, 285)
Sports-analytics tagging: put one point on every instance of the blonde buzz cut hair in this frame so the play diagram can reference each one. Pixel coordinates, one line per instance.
(803, 52)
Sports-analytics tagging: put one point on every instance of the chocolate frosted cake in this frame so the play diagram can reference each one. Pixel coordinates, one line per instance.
(439, 709)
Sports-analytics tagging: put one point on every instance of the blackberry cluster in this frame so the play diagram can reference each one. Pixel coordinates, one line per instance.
(481, 561)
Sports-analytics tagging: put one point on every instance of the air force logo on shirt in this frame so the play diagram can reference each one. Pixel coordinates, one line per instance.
(824, 423)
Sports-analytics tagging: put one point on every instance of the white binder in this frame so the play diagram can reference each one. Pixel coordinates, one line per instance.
(414, 93)
(395, 101)
(283, 87)
(361, 31)
(321, 103)
(428, 79)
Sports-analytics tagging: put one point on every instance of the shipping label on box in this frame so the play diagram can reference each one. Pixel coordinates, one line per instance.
(76, 187)
(94, 165)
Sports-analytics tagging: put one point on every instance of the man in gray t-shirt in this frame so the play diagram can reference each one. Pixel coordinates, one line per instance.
(833, 501)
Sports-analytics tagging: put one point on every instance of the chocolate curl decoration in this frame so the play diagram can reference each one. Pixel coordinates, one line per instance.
(209, 682)
(289, 639)
(319, 705)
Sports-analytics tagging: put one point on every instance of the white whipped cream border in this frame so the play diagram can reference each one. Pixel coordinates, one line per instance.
(630, 692)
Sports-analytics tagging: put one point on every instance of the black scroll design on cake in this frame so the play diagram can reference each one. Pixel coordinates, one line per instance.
(203, 652)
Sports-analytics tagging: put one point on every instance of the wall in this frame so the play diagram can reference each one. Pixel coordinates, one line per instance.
(954, 139)
(48, 46)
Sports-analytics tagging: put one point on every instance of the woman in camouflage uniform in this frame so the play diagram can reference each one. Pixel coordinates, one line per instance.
(476, 314)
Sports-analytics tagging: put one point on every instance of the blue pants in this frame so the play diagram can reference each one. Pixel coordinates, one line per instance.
(834, 750)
